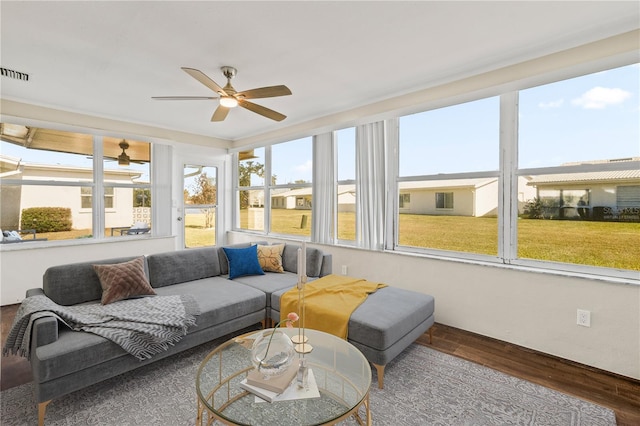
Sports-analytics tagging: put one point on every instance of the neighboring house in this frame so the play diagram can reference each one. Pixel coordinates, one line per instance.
(298, 199)
(13, 200)
(453, 197)
(595, 195)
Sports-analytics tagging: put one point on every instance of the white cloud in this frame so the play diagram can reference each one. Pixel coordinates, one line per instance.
(305, 167)
(551, 104)
(601, 97)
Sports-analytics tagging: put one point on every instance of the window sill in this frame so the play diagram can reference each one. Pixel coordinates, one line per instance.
(79, 242)
(627, 277)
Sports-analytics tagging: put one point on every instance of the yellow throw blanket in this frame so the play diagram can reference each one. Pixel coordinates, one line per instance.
(329, 302)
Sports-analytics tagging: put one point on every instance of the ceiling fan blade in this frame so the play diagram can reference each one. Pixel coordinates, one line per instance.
(183, 98)
(264, 92)
(202, 78)
(259, 109)
(220, 113)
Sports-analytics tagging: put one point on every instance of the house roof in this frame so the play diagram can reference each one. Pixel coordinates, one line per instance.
(631, 176)
(352, 58)
(447, 183)
(12, 167)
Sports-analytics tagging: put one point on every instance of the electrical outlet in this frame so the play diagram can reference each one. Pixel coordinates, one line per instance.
(344, 269)
(584, 318)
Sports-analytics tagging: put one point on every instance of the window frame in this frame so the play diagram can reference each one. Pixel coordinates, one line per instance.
(446, 198)
(507, 174)
(97, 185)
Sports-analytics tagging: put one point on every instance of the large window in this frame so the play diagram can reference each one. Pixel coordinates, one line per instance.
(250, 195)
(345, 141)
(284, 172)
(49, 184)
(578, 154)
(445, 155)
(127, 186)
(546, 177)
(290, 190)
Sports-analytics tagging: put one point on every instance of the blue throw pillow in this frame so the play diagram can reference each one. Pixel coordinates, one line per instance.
(243, 261)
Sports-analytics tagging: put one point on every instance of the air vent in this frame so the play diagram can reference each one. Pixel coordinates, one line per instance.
(6, 72)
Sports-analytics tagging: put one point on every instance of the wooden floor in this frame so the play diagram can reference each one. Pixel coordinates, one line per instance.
(619, 393)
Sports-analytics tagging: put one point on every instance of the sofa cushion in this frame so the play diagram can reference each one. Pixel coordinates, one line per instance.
(76, 282)
(290, 260)
(183, 265)
(387, 315)
(243, 261)
(270, 257)
(123, 280)
(273, 282)
(224, 262)
(219, 301)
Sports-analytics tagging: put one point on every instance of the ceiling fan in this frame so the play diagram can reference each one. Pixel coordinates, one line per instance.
(230, 98)
(123, 159)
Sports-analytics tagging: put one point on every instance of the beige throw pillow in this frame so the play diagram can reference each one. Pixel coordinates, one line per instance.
(123, 280)
(270, 257)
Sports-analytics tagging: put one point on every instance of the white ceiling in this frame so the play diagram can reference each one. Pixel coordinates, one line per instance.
(108, 59)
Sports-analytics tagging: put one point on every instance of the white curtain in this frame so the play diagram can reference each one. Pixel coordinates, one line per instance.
(370, 185)
(324, 189)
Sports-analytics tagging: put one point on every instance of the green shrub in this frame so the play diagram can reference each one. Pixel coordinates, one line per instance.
(534, 209)
(46, 219)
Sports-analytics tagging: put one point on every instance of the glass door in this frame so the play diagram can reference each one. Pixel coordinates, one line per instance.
(200, 193)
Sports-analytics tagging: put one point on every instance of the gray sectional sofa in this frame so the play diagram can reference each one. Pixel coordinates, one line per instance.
(64, 361)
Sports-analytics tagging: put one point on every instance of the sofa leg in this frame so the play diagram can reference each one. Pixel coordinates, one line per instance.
(380, 370)
(430, 334)
(42, 407)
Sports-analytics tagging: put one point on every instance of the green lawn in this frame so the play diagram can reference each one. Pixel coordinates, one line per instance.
(195, 232)
(607, 244)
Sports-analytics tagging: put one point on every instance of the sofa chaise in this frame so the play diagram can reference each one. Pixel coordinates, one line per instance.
(384, 325)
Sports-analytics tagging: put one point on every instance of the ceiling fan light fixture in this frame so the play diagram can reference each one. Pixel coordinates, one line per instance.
(228, 101)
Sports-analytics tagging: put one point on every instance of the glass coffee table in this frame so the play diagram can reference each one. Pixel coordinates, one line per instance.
(341, 372)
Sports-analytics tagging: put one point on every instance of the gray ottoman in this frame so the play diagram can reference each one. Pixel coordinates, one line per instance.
(384, 325)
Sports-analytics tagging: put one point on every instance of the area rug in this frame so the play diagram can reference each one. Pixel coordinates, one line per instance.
(422, 387)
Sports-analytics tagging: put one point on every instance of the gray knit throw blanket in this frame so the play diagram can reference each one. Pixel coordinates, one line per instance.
(143, 326)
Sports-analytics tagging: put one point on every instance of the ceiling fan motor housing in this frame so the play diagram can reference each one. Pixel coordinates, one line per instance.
(229, 72)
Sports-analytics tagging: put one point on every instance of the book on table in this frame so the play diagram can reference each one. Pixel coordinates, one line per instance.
(267, 395)
(275, 384)
(292, 392)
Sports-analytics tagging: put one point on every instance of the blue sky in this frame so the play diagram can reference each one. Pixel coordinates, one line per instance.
(593, 117)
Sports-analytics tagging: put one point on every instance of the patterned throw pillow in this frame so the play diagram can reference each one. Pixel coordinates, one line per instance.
(243, 261)
(270, 257)
(123, 280)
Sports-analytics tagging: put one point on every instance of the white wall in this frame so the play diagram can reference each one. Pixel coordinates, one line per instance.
(530, 309)
(22, 268)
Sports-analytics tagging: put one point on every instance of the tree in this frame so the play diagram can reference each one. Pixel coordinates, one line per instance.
(204, 192)
(245, 171)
